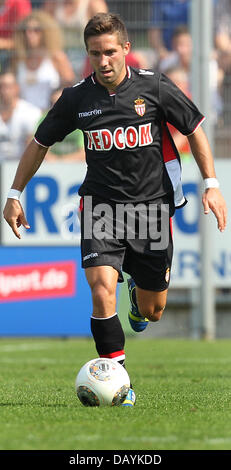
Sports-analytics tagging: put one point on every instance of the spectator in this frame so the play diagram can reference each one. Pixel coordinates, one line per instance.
(18, 119)
(181, 54)
(73, 15)
(222, 22)
(180, 77)
(49, 6)
(165, 17)
(181, 57)
(11, 12)
(40, 63)
(72, 147)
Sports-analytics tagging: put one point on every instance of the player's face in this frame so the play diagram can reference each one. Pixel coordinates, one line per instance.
(107, 58)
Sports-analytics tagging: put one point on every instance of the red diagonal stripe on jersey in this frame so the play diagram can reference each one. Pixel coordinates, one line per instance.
(168, 150)
(81, 204)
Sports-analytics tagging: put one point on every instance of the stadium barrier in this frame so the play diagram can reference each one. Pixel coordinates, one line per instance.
(43, 290)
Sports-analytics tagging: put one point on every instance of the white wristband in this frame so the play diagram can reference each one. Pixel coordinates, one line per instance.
(211, 183)
(14, 194)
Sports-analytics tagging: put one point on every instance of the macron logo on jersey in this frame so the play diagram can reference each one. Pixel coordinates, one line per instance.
(94, 112)
(103, 139)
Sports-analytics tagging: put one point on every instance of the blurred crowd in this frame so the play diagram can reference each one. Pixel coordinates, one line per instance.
(42, 51)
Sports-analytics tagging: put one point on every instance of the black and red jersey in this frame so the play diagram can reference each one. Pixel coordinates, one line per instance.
(130, 154)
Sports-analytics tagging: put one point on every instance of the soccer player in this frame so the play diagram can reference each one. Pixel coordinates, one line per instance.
(133, 164)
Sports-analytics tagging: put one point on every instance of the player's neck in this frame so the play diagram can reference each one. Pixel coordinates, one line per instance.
(111, 87)
(111, 90)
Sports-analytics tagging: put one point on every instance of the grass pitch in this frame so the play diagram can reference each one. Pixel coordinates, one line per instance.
(183, 390)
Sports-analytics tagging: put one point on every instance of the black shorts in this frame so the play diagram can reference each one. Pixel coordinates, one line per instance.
(135, 239)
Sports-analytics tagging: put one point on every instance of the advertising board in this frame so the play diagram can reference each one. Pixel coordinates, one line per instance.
(43, 290)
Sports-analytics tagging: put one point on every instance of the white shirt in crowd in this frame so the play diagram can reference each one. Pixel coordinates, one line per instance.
(15, 132)
(37, 85)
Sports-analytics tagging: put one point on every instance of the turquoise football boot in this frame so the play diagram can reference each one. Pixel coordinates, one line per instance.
(136, 320)
(130, 399)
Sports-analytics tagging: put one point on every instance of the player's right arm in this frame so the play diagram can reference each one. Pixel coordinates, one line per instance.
(62, 119)
(28, 165)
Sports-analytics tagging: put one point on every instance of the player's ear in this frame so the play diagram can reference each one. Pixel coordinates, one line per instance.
(127, 47)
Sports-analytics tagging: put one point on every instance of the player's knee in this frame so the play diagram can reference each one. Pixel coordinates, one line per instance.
(157, 314)
(102, 294)
(154, 314)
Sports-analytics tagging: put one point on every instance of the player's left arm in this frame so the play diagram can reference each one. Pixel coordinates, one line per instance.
(212, 197)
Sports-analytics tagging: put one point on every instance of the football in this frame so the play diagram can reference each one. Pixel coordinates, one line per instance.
(102, 382)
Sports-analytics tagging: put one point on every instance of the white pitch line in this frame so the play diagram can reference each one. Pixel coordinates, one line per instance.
(151, 439)
(42, 360)
(222, 360)
(218, 440)
(168, 439)
(24, 347)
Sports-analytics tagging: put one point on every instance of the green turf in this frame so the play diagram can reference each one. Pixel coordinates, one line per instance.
(183, 392)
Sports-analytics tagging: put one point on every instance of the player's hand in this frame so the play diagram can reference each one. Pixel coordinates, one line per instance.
(14, 215)
(213, 199)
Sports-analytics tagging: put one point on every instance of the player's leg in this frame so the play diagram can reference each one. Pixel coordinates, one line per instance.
(151, 304)
(148, 286)
(102, 281)
(146, 306)
(102, 260)
(105, 324)
(106, 328)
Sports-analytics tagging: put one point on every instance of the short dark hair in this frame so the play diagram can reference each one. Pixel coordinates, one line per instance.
(106, 23)
(179, 30)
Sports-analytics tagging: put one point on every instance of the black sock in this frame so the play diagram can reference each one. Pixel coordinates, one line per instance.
(109, 337)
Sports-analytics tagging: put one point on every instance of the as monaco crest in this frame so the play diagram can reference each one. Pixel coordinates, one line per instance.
(140, 106)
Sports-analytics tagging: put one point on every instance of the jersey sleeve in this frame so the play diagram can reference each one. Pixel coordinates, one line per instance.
(177, 108)
(58, 123)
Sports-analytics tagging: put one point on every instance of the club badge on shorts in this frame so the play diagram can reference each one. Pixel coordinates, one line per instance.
(140, 106)
(167, 275)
